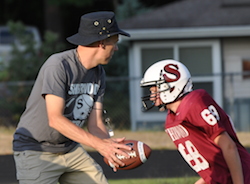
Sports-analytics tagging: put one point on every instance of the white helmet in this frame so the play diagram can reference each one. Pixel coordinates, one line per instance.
(172, 79)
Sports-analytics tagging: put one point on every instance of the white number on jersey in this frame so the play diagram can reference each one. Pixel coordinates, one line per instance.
(210, 115)
(192, 156)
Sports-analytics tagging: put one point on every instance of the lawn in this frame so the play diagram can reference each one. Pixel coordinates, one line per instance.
(150, 181)
(155, 139)
(184, 180)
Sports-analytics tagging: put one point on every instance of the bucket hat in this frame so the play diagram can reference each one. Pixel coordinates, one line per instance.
(96, 26)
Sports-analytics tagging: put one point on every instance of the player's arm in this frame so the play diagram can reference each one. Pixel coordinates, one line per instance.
(200, 181)
(231, 156)
(106, 147)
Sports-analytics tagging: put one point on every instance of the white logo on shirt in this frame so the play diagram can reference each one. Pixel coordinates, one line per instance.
(177, 132)
(83, 88)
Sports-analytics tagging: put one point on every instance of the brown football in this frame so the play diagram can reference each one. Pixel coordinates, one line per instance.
(138, 155)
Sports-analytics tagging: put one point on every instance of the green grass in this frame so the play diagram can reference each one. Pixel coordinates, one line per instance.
(182, 180)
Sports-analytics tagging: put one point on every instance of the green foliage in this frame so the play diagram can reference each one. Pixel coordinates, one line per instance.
(71, 2)
(181, 180)
(118, 66)
(130, 8)
(116, 102)
(27, 56)
(3, 74)
(26, 60)
(116, 99)
(23, 55)
(50, 45)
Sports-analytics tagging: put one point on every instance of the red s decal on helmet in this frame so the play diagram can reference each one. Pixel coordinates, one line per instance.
(172, 69)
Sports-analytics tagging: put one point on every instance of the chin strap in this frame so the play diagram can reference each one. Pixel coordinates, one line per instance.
(145, 107)
(162, 107)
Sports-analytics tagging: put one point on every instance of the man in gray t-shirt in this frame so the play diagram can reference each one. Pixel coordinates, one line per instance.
(69, 90)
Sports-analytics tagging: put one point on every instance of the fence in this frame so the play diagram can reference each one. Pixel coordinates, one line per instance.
(237, 99)
(13, 96)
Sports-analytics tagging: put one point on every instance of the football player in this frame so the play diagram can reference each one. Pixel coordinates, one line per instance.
(201, 130)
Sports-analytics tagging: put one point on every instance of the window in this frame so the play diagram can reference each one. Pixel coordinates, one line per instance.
(149, 56)
(246, 68)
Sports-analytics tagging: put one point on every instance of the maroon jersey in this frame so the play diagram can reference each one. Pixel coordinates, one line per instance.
(193, 128)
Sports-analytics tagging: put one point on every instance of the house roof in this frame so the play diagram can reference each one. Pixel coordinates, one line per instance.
(193, 13)
(191, 19)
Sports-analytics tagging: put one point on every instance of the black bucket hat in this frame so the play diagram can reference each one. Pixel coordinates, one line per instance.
(96, 26)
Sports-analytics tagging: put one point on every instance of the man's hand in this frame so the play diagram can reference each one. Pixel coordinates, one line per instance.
(109, 148)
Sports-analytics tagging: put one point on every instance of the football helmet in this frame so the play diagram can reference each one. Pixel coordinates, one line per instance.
(172, 79)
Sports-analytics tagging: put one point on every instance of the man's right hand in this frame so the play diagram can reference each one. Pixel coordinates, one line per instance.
(112, 147)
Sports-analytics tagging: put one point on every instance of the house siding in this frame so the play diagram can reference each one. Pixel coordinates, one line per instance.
(234, 51)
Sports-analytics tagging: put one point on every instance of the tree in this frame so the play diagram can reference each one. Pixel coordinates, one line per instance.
(129, 8)
(59, 16)
(53, 15)
(26, 60)
(154, 3)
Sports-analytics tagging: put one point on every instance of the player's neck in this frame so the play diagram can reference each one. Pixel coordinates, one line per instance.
(173, 106)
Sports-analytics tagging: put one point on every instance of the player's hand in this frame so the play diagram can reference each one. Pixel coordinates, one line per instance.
(112, 147)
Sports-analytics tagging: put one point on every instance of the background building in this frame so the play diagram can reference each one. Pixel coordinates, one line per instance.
(212, 38)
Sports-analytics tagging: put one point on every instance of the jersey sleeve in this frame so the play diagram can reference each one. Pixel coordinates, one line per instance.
(206, 114)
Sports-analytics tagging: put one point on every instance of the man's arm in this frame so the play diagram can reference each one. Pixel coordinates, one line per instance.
(106, 147)
(95, 122)
(231, 155)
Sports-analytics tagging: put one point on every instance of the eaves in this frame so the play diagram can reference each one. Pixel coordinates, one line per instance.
(186, 33)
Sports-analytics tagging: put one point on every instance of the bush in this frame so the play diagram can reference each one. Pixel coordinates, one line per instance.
(22, 69)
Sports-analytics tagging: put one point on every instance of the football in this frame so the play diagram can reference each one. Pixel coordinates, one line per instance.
(138, 155)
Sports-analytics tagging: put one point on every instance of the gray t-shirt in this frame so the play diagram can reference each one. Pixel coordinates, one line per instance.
(62, 75)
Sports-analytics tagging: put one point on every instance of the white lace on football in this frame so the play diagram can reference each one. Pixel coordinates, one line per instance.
(141, 152)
